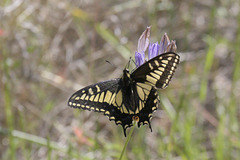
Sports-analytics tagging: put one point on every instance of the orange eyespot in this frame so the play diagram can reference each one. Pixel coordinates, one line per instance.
(135, 118)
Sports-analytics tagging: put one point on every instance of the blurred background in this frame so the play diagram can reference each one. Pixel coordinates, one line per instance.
(49, 49)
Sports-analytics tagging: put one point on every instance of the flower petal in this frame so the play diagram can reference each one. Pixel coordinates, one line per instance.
(153, 50)
(172, 47)
(139, 58)
(143, 41)
(164, 43)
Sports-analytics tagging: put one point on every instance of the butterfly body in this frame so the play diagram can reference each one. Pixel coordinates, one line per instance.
(132, 96)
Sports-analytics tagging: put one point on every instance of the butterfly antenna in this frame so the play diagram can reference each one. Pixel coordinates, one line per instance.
(130, 59)
(134, 62)
(113, 65)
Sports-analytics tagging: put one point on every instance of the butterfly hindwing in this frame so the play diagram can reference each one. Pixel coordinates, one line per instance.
(144, 115)
(157, 71)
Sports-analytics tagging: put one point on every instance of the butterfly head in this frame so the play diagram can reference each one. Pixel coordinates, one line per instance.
(126, 73)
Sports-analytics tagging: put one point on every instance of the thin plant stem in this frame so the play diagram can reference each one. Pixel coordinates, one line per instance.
(128, 139)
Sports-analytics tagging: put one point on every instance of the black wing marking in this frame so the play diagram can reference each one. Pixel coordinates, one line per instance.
(145, 115)
(157, 71)
(133, 100)
(96, 97)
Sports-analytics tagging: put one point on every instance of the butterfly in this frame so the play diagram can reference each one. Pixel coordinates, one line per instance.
(134, 96)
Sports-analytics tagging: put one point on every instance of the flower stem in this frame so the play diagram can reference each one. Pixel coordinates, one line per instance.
(128, 139)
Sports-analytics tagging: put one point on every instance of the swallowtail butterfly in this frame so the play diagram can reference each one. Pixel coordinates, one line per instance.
(134, 96)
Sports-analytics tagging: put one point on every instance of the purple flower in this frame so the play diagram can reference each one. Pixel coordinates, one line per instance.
(164, 43)
(172, 47)
(139, 58)
(143, 41)
(154, 49)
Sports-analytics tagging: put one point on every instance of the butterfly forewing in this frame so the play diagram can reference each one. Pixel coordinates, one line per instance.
(96, 97)
(157, 71)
